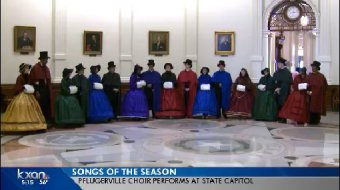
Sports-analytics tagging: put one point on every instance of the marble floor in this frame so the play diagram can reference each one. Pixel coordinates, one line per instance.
(179, 143)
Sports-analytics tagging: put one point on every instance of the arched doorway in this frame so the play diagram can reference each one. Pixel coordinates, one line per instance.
(291, 26)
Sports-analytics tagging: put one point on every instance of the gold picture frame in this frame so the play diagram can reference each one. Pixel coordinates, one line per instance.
(158, 43)
(93, 42)
(224, 43)
(24, 39)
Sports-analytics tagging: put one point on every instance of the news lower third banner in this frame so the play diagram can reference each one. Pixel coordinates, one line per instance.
(169, 178)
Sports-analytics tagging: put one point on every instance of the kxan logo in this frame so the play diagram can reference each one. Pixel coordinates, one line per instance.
(32, 177)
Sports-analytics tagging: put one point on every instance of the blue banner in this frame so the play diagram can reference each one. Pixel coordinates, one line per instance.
(60, 178)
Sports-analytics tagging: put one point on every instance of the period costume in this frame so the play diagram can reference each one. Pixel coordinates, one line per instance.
(135, 103)
(265, 107)
(222, 85)
(317, 85)
(67, 108)
(242, 99)
(112, 87)
(187, 79)
(40, 78)
(296, 107)
(283, 80)
(205, 100)
(152, 92)
(23, 113)
(99, 109)
(83, 85)
(171, 104)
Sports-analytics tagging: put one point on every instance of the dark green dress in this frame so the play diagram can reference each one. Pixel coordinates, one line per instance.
(82, 95)
(111, 81)
(67, 108)
(265, 107)
(283, 79)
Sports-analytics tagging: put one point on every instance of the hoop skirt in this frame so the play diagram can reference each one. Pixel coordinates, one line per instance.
(171, 106)
(23, 114)
(68, 110)
(135, 104)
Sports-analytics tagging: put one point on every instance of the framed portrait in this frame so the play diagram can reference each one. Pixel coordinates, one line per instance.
(24, 38)
(93, 42)
(158, 43)
(224, 43)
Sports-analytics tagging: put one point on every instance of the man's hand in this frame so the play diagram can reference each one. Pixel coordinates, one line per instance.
(309, 92)
(149, 85)
(277, 90)
(187, 89)
(220, 84)
(116, 90)
(37, 95)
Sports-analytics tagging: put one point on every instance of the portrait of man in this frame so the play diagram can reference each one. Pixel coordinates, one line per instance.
(24, 38)
(24, 41)
(92, 43)
(224, 43)
(158, 43)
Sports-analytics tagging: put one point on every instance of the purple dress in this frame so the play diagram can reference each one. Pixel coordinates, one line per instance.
(135, 103)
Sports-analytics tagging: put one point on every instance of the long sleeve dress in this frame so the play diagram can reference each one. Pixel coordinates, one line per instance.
(67, 107)
(296, 106)
(24, 112)
(265, 107)
(171, 104)
(99, 107)
(135, 103)
(241, 102)
(205, 101)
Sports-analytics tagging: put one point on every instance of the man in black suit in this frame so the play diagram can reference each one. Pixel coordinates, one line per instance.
(158, 45)
(24, 42)
(93, 44)
(224, 43)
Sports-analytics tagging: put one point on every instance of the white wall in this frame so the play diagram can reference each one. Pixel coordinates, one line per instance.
(125, 25)
(23, 13)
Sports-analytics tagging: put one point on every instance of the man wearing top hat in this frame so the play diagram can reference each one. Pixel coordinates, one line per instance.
(187, 85)
(317, 85)
(283, 79)
(83, 87)
(40, 78)
(111, 82)
(153, 87)
(222, 84)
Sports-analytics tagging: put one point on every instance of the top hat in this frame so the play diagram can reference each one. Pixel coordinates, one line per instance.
(221, 62)
(79, 67)
(283, 61)
(110, 64)
(264, 70)
(188, 61)
(67, 71)
(22, 66)
(168, 64)
(43, 55)
(206, 69)
(316, 64)
(151, 62)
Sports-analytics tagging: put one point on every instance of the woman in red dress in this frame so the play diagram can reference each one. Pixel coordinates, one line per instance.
(295, 109)
(171, 104)
(242, 98)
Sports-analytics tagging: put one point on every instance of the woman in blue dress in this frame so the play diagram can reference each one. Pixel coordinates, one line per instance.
(205, 101)
(135, 104)
(100, 109)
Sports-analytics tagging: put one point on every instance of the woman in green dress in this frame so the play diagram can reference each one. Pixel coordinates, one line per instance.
(265, 107)
(67, 108)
